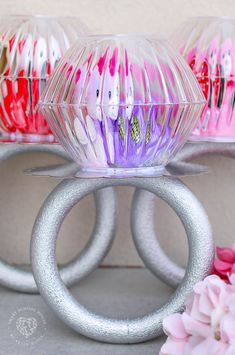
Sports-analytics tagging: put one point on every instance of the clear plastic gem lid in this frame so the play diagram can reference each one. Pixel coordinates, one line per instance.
(122, 101)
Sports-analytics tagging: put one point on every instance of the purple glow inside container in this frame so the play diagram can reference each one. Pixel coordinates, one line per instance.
(122, 104)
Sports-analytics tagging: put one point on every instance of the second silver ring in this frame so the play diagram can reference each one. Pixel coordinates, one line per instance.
(149, 249)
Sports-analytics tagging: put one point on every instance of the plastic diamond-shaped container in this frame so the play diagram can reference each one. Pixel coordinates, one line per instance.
(30, 47)
(208, 45)
(122, 104)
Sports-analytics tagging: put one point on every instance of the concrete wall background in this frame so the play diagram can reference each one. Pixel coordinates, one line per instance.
(21, 196)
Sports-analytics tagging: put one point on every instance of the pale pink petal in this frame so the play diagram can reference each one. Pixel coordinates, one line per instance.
(230, 350)
(173, 347)
(194, 327)
(195, 312)
(201, 285)
(230, 303)
(217, 292)
(192, 342)
(232, 278)
(209, 346)
(173, 325)
(227, 327)
(205, 305)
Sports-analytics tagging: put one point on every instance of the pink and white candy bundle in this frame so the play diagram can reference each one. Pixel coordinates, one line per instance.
(30, 48)
(122, 101)
(208, 45)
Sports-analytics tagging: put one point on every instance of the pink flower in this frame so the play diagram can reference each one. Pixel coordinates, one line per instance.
(224, 263)
(207, 326)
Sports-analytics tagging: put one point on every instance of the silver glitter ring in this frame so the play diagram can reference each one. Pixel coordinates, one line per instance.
(43, 246)
(149, 249)
(99, 244)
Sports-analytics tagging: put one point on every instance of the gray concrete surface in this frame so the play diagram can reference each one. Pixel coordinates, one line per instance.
(112, 292)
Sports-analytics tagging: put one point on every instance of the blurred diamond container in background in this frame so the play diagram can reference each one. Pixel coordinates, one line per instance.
(208, 45)
(30, 47)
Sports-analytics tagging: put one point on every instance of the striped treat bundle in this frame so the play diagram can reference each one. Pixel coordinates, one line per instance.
(30, 48)
(208, 45)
